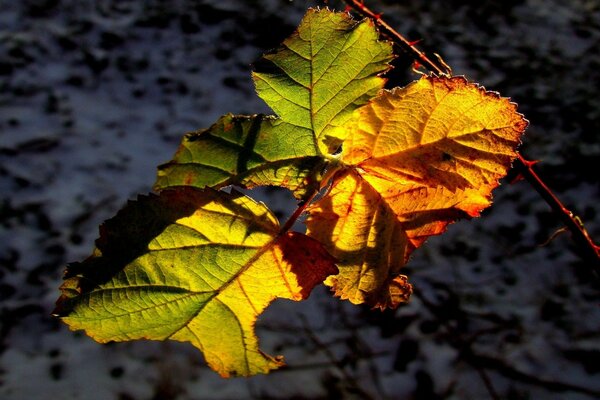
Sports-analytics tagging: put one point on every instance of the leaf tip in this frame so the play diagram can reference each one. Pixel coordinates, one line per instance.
(397, 291)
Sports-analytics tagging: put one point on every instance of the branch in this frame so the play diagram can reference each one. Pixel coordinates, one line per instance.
(397, 38)
(589, 250)
(482, 362)
(493, 363)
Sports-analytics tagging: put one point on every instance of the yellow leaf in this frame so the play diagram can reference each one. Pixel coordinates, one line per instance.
(415, 159)
(194, 266)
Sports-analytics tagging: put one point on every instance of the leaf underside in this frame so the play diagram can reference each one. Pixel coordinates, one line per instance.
(324, 71)
(193, 266)
(416, 159)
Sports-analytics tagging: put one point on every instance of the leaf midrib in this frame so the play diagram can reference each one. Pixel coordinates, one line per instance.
(172, 289)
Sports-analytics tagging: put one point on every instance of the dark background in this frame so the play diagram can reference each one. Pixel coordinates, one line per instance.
(95, 94)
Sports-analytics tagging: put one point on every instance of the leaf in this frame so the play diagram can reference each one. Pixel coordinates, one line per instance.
(193, 266)
(244, 151)
(416, 159)
(324, 71)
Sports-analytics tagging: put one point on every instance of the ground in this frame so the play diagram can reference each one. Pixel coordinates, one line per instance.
(94, 95)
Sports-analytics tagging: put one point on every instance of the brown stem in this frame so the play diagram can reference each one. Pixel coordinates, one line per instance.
(331, 170)
(397, 38)
(301, 207)
(589, 250)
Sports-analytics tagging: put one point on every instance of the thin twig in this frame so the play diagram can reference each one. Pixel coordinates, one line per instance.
(488, 383)
(589, 250)
(397, 38)
(457, 340)
(340, 364)
(482, 362)
(511, 372)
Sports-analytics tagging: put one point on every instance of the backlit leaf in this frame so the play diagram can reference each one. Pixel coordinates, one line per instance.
(193, 266)
(247, 151)
(415, 160)
(314, 81)
(322, 73)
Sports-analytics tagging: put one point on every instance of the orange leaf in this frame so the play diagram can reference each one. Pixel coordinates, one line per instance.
(415, 160)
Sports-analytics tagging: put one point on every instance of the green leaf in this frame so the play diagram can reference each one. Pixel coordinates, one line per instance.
(195, 266)
(247, 151)
(320, 75)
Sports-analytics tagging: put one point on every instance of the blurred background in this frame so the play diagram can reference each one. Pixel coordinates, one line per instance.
(95, 94)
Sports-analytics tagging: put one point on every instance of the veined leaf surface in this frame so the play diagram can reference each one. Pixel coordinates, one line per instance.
(246, 151)
(322, 73)
(416, 159)
(193, 266)
(314, 81)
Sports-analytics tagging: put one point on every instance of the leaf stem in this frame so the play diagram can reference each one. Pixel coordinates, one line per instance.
(301, 207)
(334, 166)
(589, 250)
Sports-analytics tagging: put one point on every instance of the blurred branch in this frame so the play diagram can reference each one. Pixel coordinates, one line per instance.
(588, 249)
(456, 336)
(508, 371)
(397, 38)
(339, 363)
